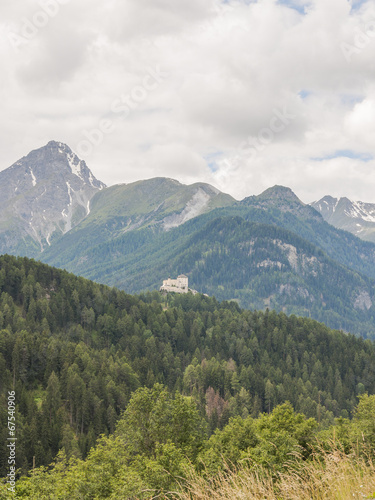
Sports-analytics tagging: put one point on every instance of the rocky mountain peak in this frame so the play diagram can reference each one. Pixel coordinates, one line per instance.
(56, 158)
(283, 199)
(44, 195)
(279, 193)
(356, 217)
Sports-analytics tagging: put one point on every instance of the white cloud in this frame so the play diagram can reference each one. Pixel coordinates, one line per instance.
(360, 122)
(229, 67)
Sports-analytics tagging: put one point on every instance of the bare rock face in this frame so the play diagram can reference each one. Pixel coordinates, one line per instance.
(363, 301)
(357, 217)
(42, 196)
(197, 205)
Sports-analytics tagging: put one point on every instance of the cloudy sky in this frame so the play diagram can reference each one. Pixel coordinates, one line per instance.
(243, 94)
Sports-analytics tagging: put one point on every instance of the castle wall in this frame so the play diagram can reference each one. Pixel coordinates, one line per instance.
(179, 285)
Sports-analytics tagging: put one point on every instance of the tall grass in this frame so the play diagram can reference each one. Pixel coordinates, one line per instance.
(329, 475)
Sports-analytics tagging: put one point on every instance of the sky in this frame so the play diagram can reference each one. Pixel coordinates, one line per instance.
(241, 94)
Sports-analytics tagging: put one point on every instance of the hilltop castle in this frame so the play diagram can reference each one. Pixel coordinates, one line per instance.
(180, 285)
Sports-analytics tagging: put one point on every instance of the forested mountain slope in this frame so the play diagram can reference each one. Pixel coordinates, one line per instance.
(134, 235)
(130, 208)
(74, 352)
(259, 265)
(280, 206)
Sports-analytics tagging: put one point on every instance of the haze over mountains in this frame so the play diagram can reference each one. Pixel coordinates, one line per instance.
(270, 250)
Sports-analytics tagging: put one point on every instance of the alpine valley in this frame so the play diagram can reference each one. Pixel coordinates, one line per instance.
(267, 251)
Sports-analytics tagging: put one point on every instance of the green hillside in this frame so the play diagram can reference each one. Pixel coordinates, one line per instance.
(75, 352)
(130, 208)
(259, 265)
(156, 203)
(280, 206)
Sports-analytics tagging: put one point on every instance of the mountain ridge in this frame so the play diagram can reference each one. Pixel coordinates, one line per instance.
(43, 195)
(134, 235)
(357, 217)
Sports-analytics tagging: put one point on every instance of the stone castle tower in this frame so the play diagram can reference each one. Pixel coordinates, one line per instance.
(180, 285)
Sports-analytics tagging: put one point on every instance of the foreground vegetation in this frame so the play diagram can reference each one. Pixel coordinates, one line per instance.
(160, 450)
(136, 396)
(331, 475)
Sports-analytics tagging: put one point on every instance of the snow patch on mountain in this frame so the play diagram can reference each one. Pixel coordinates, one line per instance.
(33, 178)
(75, 165)
(360, 210)
(91, 180)
(69, 193)
(356, 217)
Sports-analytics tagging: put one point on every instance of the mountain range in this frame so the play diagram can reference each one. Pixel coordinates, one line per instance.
(270, 250)
(356, 217)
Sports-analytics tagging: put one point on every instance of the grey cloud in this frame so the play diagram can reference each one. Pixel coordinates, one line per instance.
(149, 18)
(228, 70)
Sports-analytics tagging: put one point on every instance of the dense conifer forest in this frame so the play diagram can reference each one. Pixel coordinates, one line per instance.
(80, 356)
(238, 254)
